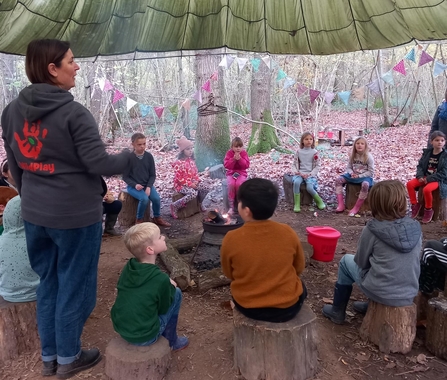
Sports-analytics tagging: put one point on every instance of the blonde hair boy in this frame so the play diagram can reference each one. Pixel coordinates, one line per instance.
(140, 237)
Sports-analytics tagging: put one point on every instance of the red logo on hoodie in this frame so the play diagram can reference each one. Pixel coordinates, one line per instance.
(30, 146)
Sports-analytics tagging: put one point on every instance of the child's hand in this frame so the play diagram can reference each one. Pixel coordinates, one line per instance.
(148, 191)
(139, 187)
(109, 198)
(422, 180)
(237, 156)
(354, 175)
(173, 282)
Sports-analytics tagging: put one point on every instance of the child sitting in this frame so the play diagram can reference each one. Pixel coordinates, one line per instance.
(305, 169)
(236, 162)
(431, 174)
(433, 266)
(386, 265)
(186, 177)
(18, 282)
(148, 301)
(360, 170)
(263, 259)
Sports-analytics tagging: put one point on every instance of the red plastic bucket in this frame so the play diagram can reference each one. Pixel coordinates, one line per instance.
(324, 241)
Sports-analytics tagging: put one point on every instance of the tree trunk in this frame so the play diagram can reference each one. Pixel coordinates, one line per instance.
(213, 131)
(177, 267)
(383, 90)
(263, 137)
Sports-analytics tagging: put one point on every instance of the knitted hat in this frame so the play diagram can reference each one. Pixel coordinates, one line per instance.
(184, 143)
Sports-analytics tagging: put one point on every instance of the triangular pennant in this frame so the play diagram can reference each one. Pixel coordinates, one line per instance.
(281, 75)
(273, 64)
(207, 86)
(241, 62)
(267, 61)
(388, 78)
(313, 94)
(301, 89)
(215, 76)
(288, 82)
(101, 83)
(186, 104)
(411, 55)
(374, 87)
(107, 86)
(145, 109)
(329, 97)
(198, 96)
(226, 62)
(425, 58)
(117, 96)
(255, 62)
(174, 110)
(130, 103)
(344, 96)
(438, 68)
(400, 68)
(159, 111)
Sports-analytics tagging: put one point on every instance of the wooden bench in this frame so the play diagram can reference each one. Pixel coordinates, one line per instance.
(439, 206)
(18, 329)
(191, 208)
(128, 214)
(265, 350)
(287, 182)
(125, 361)
(393, 329)
(352, 194)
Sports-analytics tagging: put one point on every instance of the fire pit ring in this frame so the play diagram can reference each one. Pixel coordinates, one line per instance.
(215, 228)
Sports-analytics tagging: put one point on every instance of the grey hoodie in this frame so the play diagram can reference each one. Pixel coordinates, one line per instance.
(56, 157)
(388, 255)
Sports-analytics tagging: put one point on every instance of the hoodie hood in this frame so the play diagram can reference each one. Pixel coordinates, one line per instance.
(139, 273)
(400, 234)
(12, 217)
(38, 100)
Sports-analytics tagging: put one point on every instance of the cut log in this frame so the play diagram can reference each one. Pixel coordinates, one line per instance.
(186, 243)
(421, 302)
(436, 334)
(129, 362)
(177, 267)
(438, 205)
(191, 208)
(287, 182)
(277, 351)
(217, 172)
(213, 278)
(393, 329)
(18, 329)
(352, 194)
(308, 252)
(128, 213)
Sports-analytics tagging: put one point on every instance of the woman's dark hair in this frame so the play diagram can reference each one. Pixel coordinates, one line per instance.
(39, 54)
(436, 134)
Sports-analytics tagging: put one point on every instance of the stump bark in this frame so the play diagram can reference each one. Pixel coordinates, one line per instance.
(177, 267)
(421, 301)
(287, 183)
(439, 205)
(352, 194)
(276, 351)
(128, 213)
(436, 334)
(186, 243)
(18, 329)
(213, 278)
(191, 208)
(129, 362)
(393, 329)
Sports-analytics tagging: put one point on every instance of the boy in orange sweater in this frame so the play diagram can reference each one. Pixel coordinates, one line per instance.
(263, 259)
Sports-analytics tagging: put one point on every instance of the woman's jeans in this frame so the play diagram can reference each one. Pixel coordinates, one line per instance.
(168, 322)
(67, 263)
(348, 271)
(143, 200)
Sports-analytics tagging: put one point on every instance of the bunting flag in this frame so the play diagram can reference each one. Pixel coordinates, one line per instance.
(159, 111)
(207, 86)
(438, 68)
(288, 82)
(101, 83)
(329, 97)
(400, 68)
(281, 75)
(374, 87)
(301, 89)
(411, 55)
(117, 96)
(267, 61)
(198, 96)
(255, 62)
(273, 64)
(241, 62)
(226, 62)
(425, 58)
(107, 86)
(388, 78)
(130, 103)
(186, 104)
(313, 94)
(145, 109)
(344, 96)
(215, 76)
(174, 110)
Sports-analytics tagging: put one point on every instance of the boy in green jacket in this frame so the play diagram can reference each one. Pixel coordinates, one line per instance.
(148, 301)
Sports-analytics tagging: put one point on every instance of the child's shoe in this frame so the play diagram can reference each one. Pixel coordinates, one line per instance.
(428, 215)
(49, 368)
(181, 343)
(415, 210)
(341, 203)
(174, 211)
(319, 202)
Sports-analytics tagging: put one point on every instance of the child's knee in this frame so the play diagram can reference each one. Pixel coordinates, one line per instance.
(365, 186)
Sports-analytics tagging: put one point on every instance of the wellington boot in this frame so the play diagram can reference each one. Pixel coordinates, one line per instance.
(109, 225)
(341, 203)
(356, 207)
(360, 306)
(337, 311)
(297, 204)
(319, 202)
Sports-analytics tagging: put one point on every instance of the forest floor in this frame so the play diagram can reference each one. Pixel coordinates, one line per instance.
(206, 319)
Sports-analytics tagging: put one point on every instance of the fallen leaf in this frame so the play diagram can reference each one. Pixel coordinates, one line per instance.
(390, 365)
(421, 359)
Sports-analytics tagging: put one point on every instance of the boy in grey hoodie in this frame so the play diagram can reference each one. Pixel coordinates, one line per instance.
(386, 265)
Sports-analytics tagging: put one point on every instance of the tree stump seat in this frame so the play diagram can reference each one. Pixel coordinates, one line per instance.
(191, 208)
(436, 333)
(439, 205)
(276, 351)
(287, 182)
(393, 329)
(18, 329)
(130, 362)
(352, 194)
(128, 213)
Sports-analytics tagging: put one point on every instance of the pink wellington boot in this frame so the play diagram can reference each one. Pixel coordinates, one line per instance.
(341, 203)
(357, 206)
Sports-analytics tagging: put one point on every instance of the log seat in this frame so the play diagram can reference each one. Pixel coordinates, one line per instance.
(192, 207)
(128, 214)
(352, 194)
(287, 182)
(436, 333)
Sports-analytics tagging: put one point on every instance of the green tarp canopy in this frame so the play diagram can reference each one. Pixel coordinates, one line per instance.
(136, 27)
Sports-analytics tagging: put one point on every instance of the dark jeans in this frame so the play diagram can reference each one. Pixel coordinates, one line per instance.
(113, 208)
(274, 314)
(67, 263)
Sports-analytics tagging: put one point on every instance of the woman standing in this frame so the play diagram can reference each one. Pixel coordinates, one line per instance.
(56, 157)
